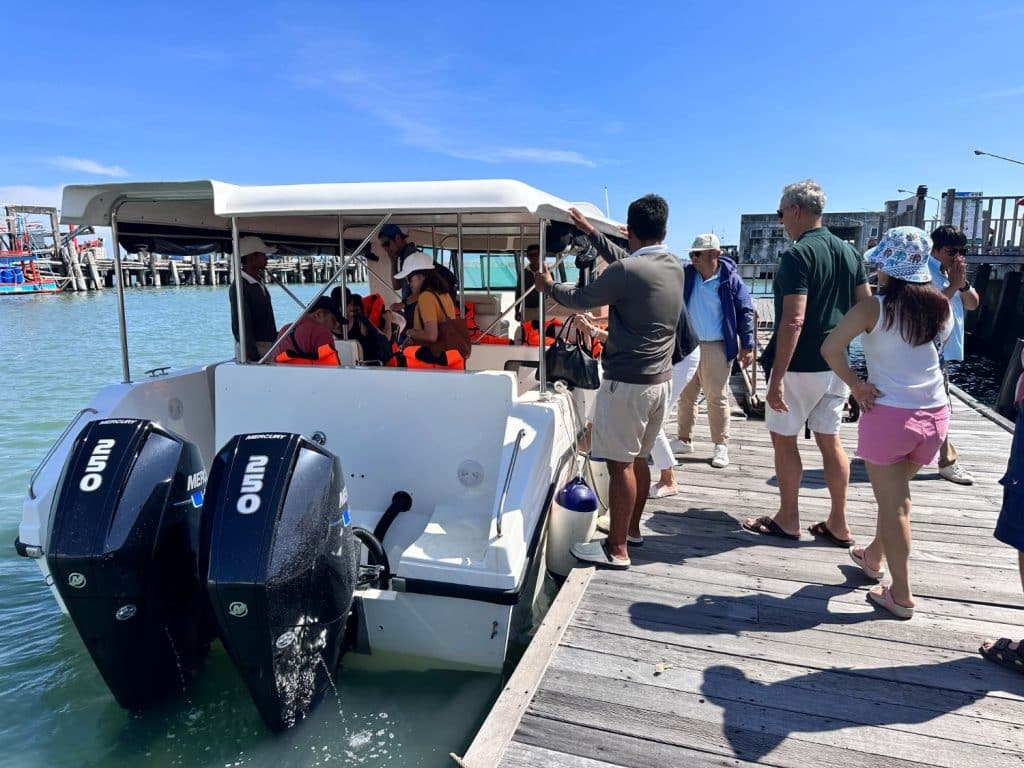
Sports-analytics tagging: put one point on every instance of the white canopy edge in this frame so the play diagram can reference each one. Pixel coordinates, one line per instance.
(515, 201)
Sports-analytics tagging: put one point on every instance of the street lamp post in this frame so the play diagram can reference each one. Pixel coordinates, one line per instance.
(1007, 159)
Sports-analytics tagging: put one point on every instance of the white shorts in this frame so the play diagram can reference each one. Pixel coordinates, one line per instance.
(816, 398)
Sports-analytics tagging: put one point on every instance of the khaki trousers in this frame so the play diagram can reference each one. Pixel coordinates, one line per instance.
(713, 377)
(948, 453)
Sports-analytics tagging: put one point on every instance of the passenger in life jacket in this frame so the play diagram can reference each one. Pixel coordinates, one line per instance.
(374, 344)
(531, 333)
(433, 307)
(311, 340)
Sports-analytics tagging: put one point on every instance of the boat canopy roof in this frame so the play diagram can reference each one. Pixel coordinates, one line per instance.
(195, 216)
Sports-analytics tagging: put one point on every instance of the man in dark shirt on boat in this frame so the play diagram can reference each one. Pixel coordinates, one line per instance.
(399, 247)
(257, 311)
(644, 293)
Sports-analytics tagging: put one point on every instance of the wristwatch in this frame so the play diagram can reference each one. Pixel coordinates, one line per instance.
(965, 287)
(594, 331)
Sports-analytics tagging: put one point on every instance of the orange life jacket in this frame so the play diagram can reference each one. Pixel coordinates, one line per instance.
(531, 335)
(373, 308)
(408, 358)
(326, 354)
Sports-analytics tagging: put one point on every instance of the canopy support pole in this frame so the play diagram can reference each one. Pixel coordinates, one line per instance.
(241, 356)
(462, 272)
(122, 324)
(542, 373)
(344, 276)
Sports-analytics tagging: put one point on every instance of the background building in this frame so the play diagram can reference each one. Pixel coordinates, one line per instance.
(762, 237)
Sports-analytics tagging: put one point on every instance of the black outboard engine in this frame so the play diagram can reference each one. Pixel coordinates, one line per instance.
(280, 562)
(122, 551)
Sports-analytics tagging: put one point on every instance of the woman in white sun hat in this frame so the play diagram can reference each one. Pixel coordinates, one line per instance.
(905, 413)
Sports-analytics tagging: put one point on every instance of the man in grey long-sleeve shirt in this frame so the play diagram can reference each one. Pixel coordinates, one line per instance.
(644, 294)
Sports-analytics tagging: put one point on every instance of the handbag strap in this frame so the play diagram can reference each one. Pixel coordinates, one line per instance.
(569, 324)
(439, 303)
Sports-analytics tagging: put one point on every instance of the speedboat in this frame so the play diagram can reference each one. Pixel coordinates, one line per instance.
(401, 513)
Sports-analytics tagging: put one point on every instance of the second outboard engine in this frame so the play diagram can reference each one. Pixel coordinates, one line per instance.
(122, 552)
(280, 562)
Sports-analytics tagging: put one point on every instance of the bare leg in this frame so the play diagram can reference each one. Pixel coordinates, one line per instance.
(667, 479)
(873, 552)
(622, 497)
(837, 478)
(789, 470)
(892, 492)
(642, 478)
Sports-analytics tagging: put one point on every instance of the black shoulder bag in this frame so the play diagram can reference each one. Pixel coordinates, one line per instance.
(571, 361)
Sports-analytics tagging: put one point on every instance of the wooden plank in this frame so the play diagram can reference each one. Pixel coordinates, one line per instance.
(799, 691)
(849, 678)
(600, 748)
(751, 731)
(496, 732)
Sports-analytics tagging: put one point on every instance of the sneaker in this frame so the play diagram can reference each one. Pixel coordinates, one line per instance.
(721, 457)
(604, 525)
(956, 474)
(680, 446)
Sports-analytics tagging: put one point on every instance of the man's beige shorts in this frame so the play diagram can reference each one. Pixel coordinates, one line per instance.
(627, 419)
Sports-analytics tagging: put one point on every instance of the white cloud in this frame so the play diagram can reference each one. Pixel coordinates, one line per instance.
(24, 194)
(400, 94)
(87, 166)
(1015, 91)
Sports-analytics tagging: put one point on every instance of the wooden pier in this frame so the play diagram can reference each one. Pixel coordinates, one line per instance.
(724, 648)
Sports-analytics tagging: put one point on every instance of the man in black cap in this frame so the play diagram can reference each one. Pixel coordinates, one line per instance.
(399, 247)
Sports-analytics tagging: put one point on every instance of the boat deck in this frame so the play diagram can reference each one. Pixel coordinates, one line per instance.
(720, 647)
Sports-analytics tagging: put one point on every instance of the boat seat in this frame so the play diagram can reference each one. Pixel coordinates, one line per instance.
(454, 535)
(349, 352)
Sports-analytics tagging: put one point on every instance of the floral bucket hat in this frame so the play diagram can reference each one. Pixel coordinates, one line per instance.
(903, 253)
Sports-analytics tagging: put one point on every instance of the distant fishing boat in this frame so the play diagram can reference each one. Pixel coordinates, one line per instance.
(20, 274)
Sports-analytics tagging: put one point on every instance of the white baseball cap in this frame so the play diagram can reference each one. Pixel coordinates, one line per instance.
(708, 242)
(253, 244)
(417, 261)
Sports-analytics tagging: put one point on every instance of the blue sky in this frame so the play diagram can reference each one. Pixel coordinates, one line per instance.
(714, 105)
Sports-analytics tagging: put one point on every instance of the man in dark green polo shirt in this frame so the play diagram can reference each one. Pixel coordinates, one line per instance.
(819, 278)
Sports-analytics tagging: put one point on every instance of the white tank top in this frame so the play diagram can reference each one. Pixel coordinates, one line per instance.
(907, 376)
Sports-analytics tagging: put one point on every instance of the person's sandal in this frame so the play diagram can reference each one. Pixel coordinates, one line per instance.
(1000, 653)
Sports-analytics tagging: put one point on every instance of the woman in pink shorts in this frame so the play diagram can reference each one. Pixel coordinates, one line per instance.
(904, 404)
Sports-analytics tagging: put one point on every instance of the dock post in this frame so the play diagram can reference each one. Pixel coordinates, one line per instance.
(197, 270)
(94, 275)
(153, 271)
(298, 268)
(213, 271)
(1004, 312)
(980, 282)
(175, 280)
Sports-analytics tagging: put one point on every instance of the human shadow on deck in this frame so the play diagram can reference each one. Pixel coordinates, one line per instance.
(814, 478)
(708, 614)
(758, 716)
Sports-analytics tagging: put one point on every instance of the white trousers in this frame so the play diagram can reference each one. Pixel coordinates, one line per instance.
(682, 372)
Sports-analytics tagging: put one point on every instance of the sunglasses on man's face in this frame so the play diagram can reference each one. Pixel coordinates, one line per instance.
(958, 251)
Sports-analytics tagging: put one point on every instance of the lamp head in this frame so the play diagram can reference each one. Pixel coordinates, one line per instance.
(978, 152)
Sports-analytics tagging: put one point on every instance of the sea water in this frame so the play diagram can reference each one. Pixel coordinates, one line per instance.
(56, 352)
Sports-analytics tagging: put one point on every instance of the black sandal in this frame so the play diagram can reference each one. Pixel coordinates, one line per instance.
(766, 526)
(821, 530)
(1001, 654)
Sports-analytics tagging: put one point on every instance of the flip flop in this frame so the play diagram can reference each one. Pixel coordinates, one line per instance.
(871, 573)
(1001, 654)
(766, 526)
(596, 552)
(821, 530)
(884, 599)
